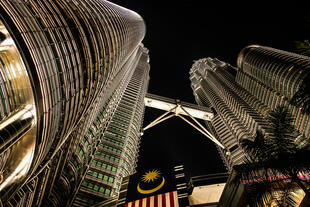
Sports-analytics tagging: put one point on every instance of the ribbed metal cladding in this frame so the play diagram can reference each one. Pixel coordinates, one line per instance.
(73, 51)
(105, 144)
(280, 70)
(273, 76)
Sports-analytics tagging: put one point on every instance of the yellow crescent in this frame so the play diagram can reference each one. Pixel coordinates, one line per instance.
(151, 190)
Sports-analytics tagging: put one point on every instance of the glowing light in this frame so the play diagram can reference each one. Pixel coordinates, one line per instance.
(291, 68)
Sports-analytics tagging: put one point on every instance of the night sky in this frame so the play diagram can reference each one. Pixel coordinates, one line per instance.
(179, 32)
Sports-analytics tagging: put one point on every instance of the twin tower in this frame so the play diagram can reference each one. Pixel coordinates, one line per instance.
(73, 79)
(242, 96)
(74, 75)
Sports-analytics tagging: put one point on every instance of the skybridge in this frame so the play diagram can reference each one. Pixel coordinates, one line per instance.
(186, 111)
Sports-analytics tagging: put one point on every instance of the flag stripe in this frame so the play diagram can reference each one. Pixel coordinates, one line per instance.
(169, 199)
(175, 195)
(152, 201)
(164, 200)
(159, 201)
(156, 201)
(141, 203)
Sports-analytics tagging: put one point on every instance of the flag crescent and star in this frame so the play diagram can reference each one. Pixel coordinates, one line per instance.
(153, 187)
(148, 177)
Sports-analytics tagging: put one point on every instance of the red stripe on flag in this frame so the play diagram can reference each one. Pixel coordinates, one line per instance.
(133, 203)
(156, 201)
(163, 199)
(148, 202)
(126, 204)
(140, 202)
(171, 197)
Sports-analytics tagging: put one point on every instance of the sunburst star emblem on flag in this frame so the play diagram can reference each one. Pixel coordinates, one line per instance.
(152, 181)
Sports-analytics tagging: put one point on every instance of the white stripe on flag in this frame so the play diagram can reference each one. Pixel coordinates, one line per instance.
(167, 199)
(175, 196)
(144, 202)
(151, 202)
(159, 200)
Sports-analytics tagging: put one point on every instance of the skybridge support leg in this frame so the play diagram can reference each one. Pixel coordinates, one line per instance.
(176, 111)
(202, 130)
(161, 118)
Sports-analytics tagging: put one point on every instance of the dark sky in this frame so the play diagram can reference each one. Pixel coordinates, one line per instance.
(179, 32)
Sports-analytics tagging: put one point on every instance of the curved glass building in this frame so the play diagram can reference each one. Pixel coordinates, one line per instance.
(73, 78)
(241, 97)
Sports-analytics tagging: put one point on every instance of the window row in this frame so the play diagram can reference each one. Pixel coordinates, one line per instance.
(112, 149)
(100, 176)
(119, 123)
(122, 115)
(118, 129)
(119, 118)
(114, 134)
(97, 163)
(113, 141)
(97, 188)
(106, 156)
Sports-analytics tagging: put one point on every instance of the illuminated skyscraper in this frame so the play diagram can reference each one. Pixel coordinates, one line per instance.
(241, 97)
(73, 78)
(116, 149)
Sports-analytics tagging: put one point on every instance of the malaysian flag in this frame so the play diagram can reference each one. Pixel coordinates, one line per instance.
(169, 199)
(152, 188)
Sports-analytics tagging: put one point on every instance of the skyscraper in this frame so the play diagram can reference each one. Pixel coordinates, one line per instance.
(116, 150)
(73, 78)
(242, 96)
